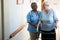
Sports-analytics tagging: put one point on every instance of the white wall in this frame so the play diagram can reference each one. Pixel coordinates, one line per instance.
(0, 23)
(15, 15)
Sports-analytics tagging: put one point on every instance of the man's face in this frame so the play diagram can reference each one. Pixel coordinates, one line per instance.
(46, 7)
(35, 7)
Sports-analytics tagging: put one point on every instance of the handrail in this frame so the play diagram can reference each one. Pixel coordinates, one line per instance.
(18, 30)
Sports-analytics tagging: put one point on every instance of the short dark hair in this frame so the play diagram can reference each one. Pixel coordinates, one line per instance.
(33, 4)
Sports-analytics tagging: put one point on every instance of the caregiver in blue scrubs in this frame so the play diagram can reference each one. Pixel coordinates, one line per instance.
(49, 23)
(33, 18)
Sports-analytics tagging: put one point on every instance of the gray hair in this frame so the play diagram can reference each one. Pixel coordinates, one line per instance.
(45, 3)
(33, 4)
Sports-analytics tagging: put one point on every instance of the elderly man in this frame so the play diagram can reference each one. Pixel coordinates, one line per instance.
(49, 23)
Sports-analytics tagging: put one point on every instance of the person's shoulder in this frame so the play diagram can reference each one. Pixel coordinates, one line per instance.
(42, 11)
(30, 12)
(51, 9)
(38, 11)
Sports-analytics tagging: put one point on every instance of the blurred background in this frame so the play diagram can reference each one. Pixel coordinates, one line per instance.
(13, 15)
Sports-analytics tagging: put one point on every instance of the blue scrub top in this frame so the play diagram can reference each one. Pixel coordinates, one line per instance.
(48, 20)
(33, 17)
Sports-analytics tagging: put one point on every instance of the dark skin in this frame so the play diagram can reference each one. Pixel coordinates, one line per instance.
(35, 10)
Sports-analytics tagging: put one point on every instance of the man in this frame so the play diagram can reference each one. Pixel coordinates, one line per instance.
(49, 23)
(33, 18)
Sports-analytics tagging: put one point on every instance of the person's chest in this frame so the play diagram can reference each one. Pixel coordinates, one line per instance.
(47, 17)
(34, 16)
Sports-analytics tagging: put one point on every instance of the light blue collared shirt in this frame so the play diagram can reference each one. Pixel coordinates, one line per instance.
(48, 20)
(33, 17)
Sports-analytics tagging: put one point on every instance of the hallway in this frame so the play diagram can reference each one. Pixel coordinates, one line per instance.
(15, 12)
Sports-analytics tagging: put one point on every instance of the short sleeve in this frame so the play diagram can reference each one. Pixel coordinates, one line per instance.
(28, 17)
(55, 17)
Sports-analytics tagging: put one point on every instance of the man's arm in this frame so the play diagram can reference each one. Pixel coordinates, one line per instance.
(39, 22)
(55, 19)
(56, 24)
(35, 25)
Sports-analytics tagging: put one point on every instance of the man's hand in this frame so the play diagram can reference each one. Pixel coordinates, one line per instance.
(56, 25)
(36, 25)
